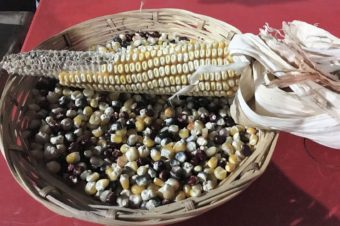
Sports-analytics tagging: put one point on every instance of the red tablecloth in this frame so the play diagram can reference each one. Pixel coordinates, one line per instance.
(295, 189)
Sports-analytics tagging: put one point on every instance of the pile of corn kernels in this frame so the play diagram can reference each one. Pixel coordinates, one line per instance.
(132, 150)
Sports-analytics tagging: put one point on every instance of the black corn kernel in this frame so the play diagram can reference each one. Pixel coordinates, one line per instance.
(246, 150)
(219, 139)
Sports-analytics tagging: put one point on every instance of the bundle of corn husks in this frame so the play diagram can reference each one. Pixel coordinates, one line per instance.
(294, 82)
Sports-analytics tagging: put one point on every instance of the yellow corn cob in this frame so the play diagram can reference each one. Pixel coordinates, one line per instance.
(149, 69)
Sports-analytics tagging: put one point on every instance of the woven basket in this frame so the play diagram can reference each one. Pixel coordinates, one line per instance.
(52, 192)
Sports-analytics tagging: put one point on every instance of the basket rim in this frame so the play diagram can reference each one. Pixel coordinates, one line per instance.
(107, 16)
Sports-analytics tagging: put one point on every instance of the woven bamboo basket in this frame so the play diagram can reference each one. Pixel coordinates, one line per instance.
(58, 197)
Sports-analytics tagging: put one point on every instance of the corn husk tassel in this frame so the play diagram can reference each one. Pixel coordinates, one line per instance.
(303, 59)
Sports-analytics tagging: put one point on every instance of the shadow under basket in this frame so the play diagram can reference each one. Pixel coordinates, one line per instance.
(57, 196)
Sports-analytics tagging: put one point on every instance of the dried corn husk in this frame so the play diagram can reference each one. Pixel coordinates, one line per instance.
(303, 58)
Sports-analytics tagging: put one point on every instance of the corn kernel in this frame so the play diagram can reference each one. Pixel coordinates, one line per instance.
(121, 161)
(115, 138)
(209, 171)
(211, 151)
(94, 103)
(148, 142)
(179, 146)
(155, 155)
(137, 190)
(237, 144)
(148, 120)
(168, 192)
(113, 176)
(233, 130)
(87, 111)
(253, 139)
(133, 165)
(228, 148)
(251, 130)
(102, 142)
(167, 152)
(184, 133)
(241, 128)
(173, 183)
(142, 170)
(196, 190)
(169, 112)
(90, 188)
(132, 154)
(187, 189)
(140, 125)
(95, 119)
(124, 181)
(158, 182)
(102, 184)
(73, 157)
(124, 148)
(93, 177)
(233, 159)
(180, 196)
(77, 121)
(97, 132)
(212, 163)
(198, 168)
(237, 136)
(143, 152)
(153, 187)
(121, 132)
(190, 126)
(230, 167)
(220, 173)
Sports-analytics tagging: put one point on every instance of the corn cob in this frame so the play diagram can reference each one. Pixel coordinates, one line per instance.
(150, 69)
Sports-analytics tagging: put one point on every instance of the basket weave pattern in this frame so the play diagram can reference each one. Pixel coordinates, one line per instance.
(52, 192)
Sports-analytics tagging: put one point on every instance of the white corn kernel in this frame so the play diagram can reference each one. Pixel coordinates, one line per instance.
(102, 184)
(93, 177)
(173, 182)
(132, 154)
(196, 190)
(90, 188)
(142, 170)
(168, 192)
(220, 173)
(253, 139)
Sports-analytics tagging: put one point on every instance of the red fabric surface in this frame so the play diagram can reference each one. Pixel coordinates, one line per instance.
(298, 188)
